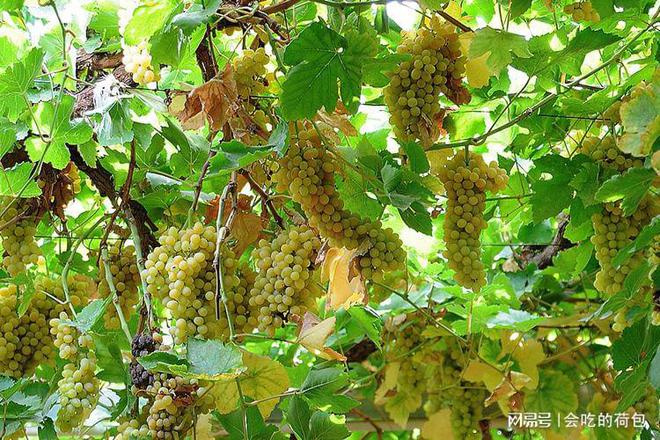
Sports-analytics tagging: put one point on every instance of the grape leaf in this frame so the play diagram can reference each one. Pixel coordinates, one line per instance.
(17, 182)
(212, 360)
(500, 44)
(654, 371)
(640, 117)
(630, 186)
(321, 57)
(148, 19)
(15, 82)
(635, 345)
(555, 394)
(552, 195)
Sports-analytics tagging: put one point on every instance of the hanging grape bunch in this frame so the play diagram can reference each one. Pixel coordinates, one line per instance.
(582, 11)
(21, 250)
(180, 274)
(466, 181)
(137, 61)
(285, 283)
(308, 173)
(125, 279)
(436, 67)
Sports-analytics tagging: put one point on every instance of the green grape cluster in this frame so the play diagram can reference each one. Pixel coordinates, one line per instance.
(606, 153)
(649, 406)
(285, 283)
(466, 183)
(447, 390)
(582, 11)
(66, 337)
(18, 240)
(249, 72)
(125, 278)
(133, 429)
(79, 392)
(172, 397)
(25, 340)
(308, 173)
(137, 61)
(436, 67)
(180, 274)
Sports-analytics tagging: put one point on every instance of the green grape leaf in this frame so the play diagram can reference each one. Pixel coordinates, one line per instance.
(585, 183)
(233, 155)
(15, 82)
(91, 314)
(636, 344)
(148, 19)
(500, 45)
(640, 117)
(321, 388)
(632, 386)
(630, 186)
(196, 15)
(320, 57)
(514, 320)
(298, 415)
(642, 241)
(556, 189)
(212, 360)
(322, 427)
(555, 394)
(18, 182)
(256, 428)
(419, 163)
(56, 122)
(369, 321)
(417, 217)
(104, 19)
(163, 362)
(7, 136)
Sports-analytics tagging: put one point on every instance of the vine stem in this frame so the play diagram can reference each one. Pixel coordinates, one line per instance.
(67, 265)
(264, 197)
(146, 309)
(113, 291)
(478, 140)
(222, 233)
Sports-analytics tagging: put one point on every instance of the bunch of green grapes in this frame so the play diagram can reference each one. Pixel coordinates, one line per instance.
(582, 11)
(125, 278)
(606, 153)
(447, 390)
(436, 67)
(79, 392)
(250, 75)
(172, 398)
(133, 429)
(649, 406)
(285, 283)
(25, 340)
(466, 183)
(180, 273)
(308, 171)
(137, 61)
(18, 241)
(66, 337)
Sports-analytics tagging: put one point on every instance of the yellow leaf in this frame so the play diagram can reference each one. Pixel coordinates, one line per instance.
(476, 69)
(507, 387)
(203, 427)
(438, 426)
(401, 405)
(344, 290)
(314, 334)
(478, 371)
(454, 10)
(438, 159)
(263, 378)
(390, 379)
(529, 355)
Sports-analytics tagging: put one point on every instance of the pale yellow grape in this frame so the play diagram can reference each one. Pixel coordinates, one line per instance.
(137, 61)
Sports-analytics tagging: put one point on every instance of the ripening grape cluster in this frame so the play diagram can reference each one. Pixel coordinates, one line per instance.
(285, 283)
(606, 153)
(79, 392)
(250, 75)
(437, 67)
(20, 247)
(466, 183)
(447, 390)
(582, 11)
(308, 171)
(142, 345)
(180, 274)
(125, 278)
(25, 340)
(137, 61)
(67, 338)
